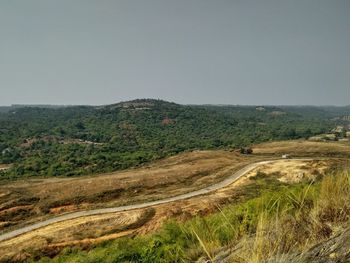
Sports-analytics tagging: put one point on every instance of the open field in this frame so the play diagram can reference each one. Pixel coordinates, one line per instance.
(27, 201)
(203, 191)
(304, 148)
(85, 231)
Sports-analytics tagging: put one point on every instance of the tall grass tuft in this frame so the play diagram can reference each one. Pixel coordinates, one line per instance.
(333, 204)
(304, 219)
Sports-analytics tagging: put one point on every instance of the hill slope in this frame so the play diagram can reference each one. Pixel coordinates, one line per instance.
(77, 140)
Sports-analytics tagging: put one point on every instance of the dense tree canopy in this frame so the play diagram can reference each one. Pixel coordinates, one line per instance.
(77, 140)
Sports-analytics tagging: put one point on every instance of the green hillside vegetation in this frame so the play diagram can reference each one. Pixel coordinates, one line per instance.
(68, 141)
(284, 220)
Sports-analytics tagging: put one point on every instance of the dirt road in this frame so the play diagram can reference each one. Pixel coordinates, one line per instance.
(235, 176)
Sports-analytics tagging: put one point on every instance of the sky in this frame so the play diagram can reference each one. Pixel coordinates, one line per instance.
(271, 52)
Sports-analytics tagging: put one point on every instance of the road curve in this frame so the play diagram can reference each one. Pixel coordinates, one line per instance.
(235, 176)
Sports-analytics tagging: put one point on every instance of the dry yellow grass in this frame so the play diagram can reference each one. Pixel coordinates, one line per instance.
(27, 201)
(295, 171)
(80, 230)
(87, 230)
(172, 176)
(304, 148)
(288, 237)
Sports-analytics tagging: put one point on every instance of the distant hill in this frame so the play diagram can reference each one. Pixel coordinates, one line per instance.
(5, 109)
(76, 140)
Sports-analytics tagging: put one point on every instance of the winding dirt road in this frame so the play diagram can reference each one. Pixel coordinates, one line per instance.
(235, 176)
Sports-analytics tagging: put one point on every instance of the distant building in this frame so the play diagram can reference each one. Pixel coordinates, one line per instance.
(286, 156)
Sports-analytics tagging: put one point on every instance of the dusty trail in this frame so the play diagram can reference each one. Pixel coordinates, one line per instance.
(235, 176)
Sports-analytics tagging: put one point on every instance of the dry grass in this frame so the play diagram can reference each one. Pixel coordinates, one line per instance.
(334, 202)
(172, 176)
(81, 231)
(304, 148)
(90, 230)
(36, 199)
(295, 171)
(289, 234)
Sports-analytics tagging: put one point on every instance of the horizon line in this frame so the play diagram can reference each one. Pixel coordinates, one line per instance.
(185, 104)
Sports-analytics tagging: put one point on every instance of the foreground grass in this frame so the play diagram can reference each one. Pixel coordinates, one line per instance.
(278, 222)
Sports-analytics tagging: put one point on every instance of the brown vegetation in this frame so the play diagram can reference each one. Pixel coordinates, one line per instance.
(36, 199)
(24, 202)
(86, 231)
(304, 148)
(317, 231)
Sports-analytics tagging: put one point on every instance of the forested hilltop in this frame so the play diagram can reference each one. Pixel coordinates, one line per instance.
(77, 140)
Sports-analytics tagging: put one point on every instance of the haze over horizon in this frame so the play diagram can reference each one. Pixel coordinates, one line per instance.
(189, 52)
(170, 101)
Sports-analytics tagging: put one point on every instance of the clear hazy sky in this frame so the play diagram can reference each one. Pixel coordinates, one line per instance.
(187, 51)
